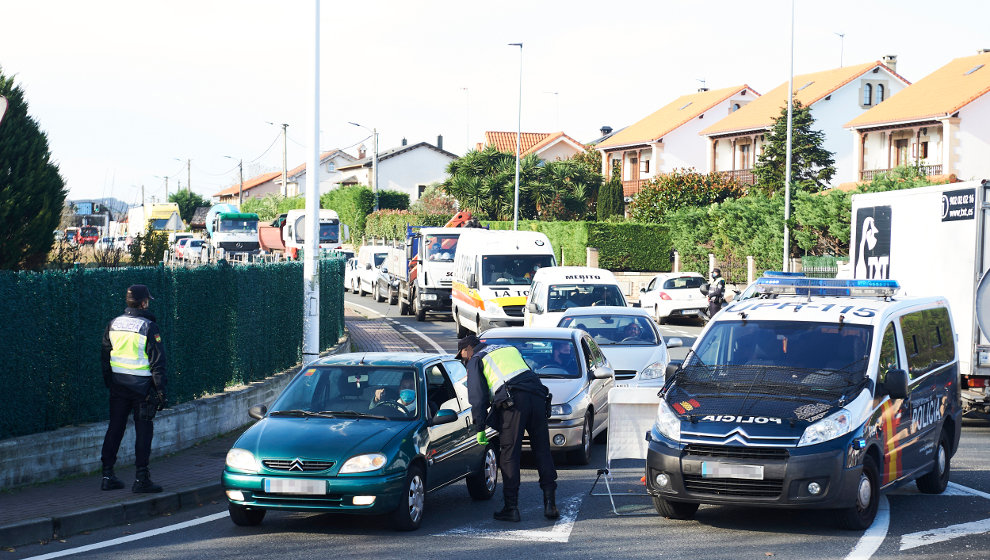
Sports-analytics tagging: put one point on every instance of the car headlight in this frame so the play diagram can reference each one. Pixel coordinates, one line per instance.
(561, 410)
(828, 428)
(655, 370)
(668, 423)
(363, 463)
(243, 460)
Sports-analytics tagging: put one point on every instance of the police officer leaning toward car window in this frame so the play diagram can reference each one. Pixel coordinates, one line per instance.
(716, 293)
(133, 360)
(506, 395)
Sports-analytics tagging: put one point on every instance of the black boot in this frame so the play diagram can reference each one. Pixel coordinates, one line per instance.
(510, 511)
(550, 504)
(110, 480)
(143, 483)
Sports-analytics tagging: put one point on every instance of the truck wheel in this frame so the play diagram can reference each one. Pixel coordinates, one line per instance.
(378, 293)
(420, 312)
(458, 327)
(403, 306)
(393, 297)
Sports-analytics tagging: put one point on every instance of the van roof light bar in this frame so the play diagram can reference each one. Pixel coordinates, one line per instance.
(803, 286)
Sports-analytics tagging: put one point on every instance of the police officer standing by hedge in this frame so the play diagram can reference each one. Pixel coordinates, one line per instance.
(499, 379)
(133, 360)
(716, 293)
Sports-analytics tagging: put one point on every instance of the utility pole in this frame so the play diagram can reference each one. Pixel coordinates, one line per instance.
(240, 192)
(374, 166)
(311, 270)
(285, 186)
(188, 175)
(515, 205)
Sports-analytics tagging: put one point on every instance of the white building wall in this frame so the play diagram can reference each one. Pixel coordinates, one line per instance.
(686, 148)
(973, 140)
(560, 150)
(407, 171)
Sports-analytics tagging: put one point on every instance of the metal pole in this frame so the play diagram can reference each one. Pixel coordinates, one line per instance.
(787, 164)
(467, 120)
(189, 175)
(374, 166)
(311, 276)
(515, 205)
(285, 186)
(240, 191)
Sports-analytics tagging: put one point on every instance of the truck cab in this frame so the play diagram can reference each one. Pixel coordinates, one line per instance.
(426, 275)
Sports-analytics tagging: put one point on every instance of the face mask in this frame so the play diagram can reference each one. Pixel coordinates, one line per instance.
(407, 396)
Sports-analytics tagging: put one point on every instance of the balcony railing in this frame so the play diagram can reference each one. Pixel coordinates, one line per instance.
(630, 188)
(742, 175)
(926, 170)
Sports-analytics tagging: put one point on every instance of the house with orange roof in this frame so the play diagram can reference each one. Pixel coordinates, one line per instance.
(668, 138)
(330, 175)
(939, 123)
(834, 97)
(548, 146)
(252, 188)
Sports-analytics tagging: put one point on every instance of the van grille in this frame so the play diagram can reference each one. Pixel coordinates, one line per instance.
(625, 374)
(733, 487)
(734, 452)
(513, 310)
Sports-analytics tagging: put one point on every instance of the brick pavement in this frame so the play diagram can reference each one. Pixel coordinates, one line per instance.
(190, 477)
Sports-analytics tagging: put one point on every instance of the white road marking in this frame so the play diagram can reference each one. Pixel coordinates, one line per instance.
(436, 346)
(960, 490)
(874, 535)
(135, 537)
(932, 536)
(559, 533)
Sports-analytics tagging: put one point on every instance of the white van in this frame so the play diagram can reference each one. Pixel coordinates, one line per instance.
(492, 274)
(369, 259)
(559, 288)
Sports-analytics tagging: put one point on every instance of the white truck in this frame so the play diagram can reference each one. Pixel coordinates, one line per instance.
(934, 241)
(287, 233)
(425, 270)
(231, 231)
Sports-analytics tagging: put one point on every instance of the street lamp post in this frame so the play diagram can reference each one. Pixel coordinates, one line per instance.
(787, 164)
(285, 187)
(166, 185)
(240, 191)
(515, 205)
(188, 174)
(374, 160)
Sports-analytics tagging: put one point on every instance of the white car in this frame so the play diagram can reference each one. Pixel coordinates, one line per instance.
(369, 260)
(351, 275)
(192, 251)
(674, 294)
(629, 339)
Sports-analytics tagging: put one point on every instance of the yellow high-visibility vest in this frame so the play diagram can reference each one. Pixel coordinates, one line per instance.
(502, 364)
(129, 338)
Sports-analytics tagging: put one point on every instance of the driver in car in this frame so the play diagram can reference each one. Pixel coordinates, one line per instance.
(406, 398)
(632, 331)
(563, 356)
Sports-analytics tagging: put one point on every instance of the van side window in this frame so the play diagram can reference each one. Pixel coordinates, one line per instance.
(888, 353)
(928, 340)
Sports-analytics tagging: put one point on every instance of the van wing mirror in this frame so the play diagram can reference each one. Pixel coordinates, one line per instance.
(472, 280)
(672, 367)
(895, 384)
(532, 307)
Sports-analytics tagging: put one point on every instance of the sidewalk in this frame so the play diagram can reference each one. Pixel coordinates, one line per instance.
(191, 477)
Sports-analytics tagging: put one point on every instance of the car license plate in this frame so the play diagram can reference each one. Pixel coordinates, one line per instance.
(687, 311)
(731, 470)
(306, 486)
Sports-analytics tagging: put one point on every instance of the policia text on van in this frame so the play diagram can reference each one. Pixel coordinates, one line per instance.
(817, 394)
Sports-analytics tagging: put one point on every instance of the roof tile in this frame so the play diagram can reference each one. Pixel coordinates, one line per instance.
(250, 183)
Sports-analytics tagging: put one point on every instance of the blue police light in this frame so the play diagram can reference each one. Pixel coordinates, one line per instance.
(803, 286)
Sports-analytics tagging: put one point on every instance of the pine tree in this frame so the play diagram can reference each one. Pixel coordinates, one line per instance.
(32, 192)
(812, 166)
(610, 198)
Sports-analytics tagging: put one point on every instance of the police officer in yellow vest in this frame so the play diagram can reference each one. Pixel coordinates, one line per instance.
(133, 360)
(506, 395)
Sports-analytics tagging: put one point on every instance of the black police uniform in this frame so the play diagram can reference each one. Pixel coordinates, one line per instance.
(716, 295)
(127, 394)
(520, 404)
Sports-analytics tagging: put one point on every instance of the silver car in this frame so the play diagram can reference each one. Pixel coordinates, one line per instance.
(574, 368)
(630, 340)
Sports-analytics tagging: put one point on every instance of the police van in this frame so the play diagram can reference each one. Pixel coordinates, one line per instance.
(818, 393)
(559, 288)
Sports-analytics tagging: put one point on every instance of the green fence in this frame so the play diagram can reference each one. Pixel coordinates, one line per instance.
(821, 266)
(221, 325)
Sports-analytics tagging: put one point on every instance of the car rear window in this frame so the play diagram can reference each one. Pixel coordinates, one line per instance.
(683, 282)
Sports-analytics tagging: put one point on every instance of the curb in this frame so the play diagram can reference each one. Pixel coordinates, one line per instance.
(45, 529)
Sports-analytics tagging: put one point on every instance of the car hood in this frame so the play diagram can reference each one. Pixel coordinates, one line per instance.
(633, 358)
(331, 439)
(563, 390)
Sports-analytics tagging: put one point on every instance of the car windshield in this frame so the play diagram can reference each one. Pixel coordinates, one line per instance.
(329, 233)
(615, 330)
(683, 282)
(566, 296)
(194, 243)
(349, 391)
(549, 358)
(792, 356)
(238, 226)
(440, 248)
(512, 270)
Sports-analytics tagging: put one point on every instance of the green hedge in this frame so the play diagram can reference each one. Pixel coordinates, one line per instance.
(221, 325)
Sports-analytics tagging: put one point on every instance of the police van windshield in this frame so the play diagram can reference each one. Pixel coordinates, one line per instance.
(512, 270)
(796, 346)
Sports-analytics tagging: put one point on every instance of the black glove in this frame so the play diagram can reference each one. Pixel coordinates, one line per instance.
(162, 400)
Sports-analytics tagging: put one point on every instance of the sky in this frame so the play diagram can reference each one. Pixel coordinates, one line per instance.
(129, 91)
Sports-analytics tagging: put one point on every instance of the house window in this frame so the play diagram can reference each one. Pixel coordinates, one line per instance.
(879, 93)
(867, 94)
(422, 189)
(735, 107)
(923, 150)
(331, 166)
(744, 156)
(644, 166)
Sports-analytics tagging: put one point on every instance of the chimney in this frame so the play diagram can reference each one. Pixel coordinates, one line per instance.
(890, 61)
(606, 130)
(440, 141)
(702, 89)
(983, 51)
(362, 151)
(404, 141)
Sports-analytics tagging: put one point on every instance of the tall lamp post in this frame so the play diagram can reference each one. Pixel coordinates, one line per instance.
(787, 164)
(374, 160)
(240, 191)
(515, 205)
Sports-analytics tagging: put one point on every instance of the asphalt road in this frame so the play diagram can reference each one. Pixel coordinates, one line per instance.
(953, 525)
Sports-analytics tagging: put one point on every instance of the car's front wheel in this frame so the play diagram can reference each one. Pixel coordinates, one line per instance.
(409, 514)
(245, 516)
(582, 455)
(481, 485)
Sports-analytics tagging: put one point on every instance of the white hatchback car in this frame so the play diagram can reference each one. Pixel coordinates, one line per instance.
(674, 294)
(629, 339)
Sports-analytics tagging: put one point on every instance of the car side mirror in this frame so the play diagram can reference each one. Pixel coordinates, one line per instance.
(673, 366)
(601, 373)
(367, 266)
(675, 343)
(642, 290)
(258, 411)
(443, 416)
(384, 270)
(895, 384)
(532, 308)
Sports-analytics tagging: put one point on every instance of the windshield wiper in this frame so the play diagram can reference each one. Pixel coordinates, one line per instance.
(556, 376)
(304, 413)
(354, 414)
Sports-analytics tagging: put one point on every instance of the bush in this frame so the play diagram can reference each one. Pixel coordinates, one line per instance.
(682, 188)
(352, 204)
(392, 200)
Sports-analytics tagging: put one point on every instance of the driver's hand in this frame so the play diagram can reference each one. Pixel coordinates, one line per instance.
(378, 393)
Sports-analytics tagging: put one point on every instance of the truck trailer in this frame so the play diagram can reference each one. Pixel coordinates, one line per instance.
(933, 241)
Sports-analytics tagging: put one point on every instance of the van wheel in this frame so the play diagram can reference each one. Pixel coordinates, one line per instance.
(674, 510)
(582, 455)
(938, 478)
(861, 514)
(461, 329)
